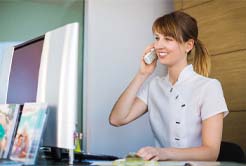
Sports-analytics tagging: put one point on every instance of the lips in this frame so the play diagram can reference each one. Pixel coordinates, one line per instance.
(162, 54)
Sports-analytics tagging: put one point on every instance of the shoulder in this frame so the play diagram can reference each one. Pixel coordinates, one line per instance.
(209, 87)
(206, 82)
(157, 80)
(150, 82)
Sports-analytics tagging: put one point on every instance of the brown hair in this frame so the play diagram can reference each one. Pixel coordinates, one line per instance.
(183, 27)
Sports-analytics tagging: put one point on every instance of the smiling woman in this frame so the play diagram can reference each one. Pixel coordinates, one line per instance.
(186, 108)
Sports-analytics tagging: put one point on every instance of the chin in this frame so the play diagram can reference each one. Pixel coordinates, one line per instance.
(163, 62)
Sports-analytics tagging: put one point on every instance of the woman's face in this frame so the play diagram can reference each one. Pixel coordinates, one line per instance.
(169, 51)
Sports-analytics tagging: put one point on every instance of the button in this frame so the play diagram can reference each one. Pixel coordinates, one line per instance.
(183, 105)
(171, 90)
(177, 139)
(177, 97)
(187, 164)
(177, 122)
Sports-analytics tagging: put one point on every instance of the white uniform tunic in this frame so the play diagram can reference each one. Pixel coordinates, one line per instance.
(176, 111)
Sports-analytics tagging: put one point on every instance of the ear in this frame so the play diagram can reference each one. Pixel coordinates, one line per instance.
(189, 45)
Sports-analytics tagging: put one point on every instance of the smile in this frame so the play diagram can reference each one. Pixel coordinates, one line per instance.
(162, 54)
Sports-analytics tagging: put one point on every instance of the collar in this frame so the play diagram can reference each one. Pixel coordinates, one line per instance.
(186, 73)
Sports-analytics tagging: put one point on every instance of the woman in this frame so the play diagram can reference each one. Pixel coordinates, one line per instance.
(186, 108)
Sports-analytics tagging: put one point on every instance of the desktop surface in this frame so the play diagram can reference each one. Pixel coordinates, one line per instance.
(46, 159)
(163, 163)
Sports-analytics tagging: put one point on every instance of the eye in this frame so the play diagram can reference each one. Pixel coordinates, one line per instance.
(168, 38)
(157, 38)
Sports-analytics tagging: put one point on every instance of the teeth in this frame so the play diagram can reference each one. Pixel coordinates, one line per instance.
(163, 53)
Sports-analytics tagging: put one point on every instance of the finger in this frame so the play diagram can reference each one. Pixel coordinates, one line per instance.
(140, 151)
(156, 158)
(141, 154)
(148, 48)
(151, 45)
(148, 156)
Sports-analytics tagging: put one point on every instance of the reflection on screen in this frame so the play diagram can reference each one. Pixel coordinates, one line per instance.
(23, 79)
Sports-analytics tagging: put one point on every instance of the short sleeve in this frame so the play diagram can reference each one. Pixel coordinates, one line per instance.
(142, 94)
(213, 101)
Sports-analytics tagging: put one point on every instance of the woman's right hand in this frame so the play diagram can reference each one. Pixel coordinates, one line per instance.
(147, 69)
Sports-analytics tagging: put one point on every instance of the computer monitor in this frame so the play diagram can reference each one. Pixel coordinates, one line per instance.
(45, 69)
(24, 72)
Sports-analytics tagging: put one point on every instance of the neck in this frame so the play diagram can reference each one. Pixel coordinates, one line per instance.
(174, 71)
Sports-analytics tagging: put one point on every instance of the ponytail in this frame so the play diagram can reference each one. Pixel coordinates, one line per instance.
(201, 61)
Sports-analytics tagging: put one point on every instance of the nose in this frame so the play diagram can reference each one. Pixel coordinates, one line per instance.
(157, 45)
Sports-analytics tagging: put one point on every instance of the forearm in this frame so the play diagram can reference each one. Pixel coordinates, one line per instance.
(202, 153)
(123, 105)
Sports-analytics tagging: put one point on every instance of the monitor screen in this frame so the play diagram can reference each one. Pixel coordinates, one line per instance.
(24, 72)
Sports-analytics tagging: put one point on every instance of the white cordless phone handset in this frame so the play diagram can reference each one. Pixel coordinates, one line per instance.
(150, 57)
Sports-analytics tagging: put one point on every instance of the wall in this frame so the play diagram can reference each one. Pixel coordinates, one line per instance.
(116, 34)
(222, 27)
(21, 21)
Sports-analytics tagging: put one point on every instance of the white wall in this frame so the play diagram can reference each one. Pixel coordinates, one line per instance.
(116, 33)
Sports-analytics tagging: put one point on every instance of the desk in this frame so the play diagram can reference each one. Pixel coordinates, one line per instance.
(180, 163)
(45, 160)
